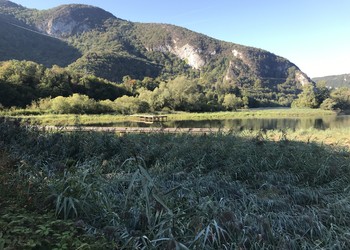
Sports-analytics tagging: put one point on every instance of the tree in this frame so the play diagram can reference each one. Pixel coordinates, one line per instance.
(232, 102)
(56, 82)
(19, 80)
(328, 104)
(131, 105)
(60, 105)
(322, 91)
(21, 73)
(307, 98)
(342, 97)
(185, 94)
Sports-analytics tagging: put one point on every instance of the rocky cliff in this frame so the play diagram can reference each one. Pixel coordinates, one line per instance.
(69, 20)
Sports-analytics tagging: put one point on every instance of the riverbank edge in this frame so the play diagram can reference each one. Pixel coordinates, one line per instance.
(109, 119)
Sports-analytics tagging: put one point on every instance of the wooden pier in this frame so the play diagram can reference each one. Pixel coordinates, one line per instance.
(152, 118)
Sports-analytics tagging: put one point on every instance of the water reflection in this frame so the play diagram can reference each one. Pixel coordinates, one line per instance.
(254, 123)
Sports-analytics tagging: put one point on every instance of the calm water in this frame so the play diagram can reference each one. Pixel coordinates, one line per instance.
(254, 123)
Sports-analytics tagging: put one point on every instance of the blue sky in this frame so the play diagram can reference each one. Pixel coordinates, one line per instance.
(313, 34)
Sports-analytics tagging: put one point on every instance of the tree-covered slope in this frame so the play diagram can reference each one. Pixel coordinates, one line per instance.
(19, 42)
(113, 48)
(335, 81)
(90, 40)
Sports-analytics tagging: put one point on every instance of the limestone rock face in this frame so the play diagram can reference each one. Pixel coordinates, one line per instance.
(302, 78)
(68, 20)
(190, 54)
(64, 27)
(193, 56)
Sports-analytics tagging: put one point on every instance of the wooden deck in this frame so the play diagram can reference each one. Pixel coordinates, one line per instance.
(137, 130)
(151, 118)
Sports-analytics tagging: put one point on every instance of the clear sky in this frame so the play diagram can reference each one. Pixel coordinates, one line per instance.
(313, 34)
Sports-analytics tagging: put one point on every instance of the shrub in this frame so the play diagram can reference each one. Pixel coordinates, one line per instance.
(131, 105)
(328, 104)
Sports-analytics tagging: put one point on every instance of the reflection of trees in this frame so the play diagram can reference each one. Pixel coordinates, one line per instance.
(257, 124)
(306, 123)
(340, 122)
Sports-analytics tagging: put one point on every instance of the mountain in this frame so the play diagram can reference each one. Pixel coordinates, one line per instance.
(335, 81)
(21, 43)
(93, 29)
(91, 40)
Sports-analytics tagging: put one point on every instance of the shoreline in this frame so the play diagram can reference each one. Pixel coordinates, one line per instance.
(106, 119)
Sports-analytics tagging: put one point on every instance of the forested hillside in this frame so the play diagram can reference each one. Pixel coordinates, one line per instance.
(112, 47)
(21, 43)
(335, 81)
(156, 66)
(23, 82)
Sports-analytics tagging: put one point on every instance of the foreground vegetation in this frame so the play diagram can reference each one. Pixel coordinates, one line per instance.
(251, 190)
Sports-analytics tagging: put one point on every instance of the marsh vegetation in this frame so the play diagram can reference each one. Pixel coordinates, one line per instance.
(248, 189)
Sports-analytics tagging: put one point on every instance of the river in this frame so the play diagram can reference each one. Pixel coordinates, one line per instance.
(341, 121)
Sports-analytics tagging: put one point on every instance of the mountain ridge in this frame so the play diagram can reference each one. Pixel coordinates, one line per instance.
(29, 43)
(73, 19)
(334, 81)
(113, 48)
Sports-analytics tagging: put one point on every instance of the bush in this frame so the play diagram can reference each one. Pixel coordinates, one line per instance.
(75, 104)
(328, 104)
(131, 105)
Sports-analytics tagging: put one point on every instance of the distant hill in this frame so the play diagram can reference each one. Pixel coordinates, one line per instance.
(109, 42)
(335, 81)
(91, 40)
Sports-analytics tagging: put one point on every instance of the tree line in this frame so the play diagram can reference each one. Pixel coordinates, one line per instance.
(24, 82)
(61, 90)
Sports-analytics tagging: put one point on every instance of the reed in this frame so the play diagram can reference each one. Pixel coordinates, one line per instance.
(247, 190)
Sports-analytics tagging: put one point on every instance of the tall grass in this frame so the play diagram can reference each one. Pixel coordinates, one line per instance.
(252, 113)
(160, 191)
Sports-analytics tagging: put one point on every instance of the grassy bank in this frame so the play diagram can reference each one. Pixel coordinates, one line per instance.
(65, 120)
(252, 113)
(247, 190)
(337, 137)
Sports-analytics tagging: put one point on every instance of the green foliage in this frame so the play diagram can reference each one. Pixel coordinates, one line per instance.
(18, 80)
(114, 66)
(184, 94)
(23, 44)
(335, 81)
(130, 105)
(342, 98)
(322, 91)
(180, 93)
(307, 99)
(161, 191)
(75, 104)
(113, 48)
(232, 102)
(21, 229)
(328, 104)
(128, 53)
(23, 82)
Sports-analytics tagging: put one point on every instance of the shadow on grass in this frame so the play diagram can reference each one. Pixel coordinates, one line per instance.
(197, 191)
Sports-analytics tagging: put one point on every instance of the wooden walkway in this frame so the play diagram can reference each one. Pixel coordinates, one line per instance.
(137, 130)
(152, 118)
